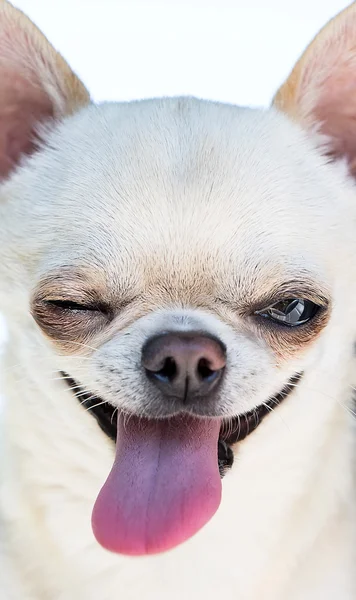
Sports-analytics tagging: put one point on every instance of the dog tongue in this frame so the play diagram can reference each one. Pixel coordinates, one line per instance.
(163, 487)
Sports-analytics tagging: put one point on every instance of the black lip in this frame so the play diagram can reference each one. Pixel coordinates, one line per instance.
(231, 432)
(242, 425)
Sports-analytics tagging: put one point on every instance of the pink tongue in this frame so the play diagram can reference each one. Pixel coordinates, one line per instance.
(163, 487)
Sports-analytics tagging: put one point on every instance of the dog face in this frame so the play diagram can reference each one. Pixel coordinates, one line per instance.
(193, 256)
(166, 238)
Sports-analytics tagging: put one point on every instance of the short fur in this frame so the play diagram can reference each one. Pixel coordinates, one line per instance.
(177, 213)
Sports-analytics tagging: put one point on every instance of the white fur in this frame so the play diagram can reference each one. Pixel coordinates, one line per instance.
(182, 202)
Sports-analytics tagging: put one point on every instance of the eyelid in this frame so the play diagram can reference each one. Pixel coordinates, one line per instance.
(91, 301)
(321, 301)
(291, 299)
(80, 301)
(82, 306)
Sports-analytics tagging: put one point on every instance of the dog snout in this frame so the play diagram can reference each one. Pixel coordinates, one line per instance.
(184, 365)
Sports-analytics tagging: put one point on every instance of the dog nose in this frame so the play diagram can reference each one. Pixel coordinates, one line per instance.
(184, 365)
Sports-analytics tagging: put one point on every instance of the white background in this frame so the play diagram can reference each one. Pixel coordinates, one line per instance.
(235, 51)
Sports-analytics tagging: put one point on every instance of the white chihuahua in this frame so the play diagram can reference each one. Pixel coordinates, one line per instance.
(180, 275)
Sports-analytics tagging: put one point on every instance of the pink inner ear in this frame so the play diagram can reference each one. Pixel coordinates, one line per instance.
(324, 85)
(336, 110)
(23, 105)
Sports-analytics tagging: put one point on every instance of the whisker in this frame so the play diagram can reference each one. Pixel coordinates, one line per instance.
(81, 344)
(95, 405)
(277, 412)
(113, 414)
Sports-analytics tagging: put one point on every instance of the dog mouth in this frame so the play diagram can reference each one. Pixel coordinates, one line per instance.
(165, 484)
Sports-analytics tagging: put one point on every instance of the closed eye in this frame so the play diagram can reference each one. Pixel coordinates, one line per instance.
(73, 306)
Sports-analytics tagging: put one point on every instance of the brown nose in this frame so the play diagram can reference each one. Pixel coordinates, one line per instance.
(184, 365)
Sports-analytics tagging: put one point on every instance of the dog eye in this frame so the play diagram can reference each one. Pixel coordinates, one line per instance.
(290, 312)
(72, 306)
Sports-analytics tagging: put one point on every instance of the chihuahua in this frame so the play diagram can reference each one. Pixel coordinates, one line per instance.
(179, 282)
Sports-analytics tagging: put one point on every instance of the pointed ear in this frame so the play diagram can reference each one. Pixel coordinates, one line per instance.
(36, 85)
(320, 92)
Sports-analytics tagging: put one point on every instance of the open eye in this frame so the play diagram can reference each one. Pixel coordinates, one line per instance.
(71, 306)
(291, 312)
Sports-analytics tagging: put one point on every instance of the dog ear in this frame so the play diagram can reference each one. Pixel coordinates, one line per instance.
(36, 85)
(320, 92)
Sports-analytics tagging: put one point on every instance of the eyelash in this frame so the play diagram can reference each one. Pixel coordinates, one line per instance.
(279, 309)
(74, 306)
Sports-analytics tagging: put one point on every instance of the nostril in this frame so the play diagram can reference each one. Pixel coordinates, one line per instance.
(205, 372)
(167, 372)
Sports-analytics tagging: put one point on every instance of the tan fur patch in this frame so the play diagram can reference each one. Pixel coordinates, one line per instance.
(71, 331)
(288, 342)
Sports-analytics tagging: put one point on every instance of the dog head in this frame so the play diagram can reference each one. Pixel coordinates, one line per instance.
(196, 257)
